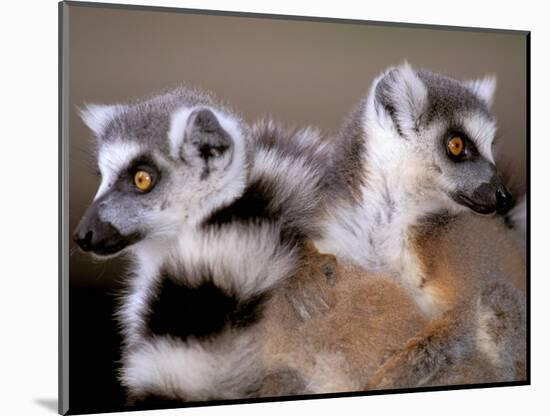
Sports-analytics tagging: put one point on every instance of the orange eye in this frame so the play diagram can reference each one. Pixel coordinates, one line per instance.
(142, 180)
(455, 146)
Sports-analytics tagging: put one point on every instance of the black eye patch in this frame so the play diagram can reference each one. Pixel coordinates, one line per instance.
(145, 163)
(456, 140)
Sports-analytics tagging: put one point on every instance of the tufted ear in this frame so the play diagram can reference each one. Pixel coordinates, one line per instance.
(97, 116)
(401, 95)
(204, 137)
(483, 88)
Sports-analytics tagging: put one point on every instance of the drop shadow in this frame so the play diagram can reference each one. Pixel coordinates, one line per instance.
(49, 404)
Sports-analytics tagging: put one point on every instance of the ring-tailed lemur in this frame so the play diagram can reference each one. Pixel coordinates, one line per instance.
(340, 331)
(410, 164)
(212, 229)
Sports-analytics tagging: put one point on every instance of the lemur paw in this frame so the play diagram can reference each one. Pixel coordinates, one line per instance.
(310, 292)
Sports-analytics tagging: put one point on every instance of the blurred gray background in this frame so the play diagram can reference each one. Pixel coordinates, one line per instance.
(298, 72)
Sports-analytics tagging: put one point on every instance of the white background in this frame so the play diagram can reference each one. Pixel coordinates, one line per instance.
(28, 216)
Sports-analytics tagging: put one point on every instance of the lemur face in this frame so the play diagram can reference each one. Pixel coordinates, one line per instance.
(446, 127)
(164, 167)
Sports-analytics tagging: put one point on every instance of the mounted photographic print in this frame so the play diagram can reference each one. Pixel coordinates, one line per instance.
(266, 208)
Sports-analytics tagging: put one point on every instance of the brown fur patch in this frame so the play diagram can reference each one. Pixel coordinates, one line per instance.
(468, 261)
(361, 330)
(337, 348)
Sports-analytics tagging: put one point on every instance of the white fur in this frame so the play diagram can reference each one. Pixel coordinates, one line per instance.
(112, 158)
(486, 343)
(352, 234)
(484, 88)
(250, 255)
(293, 177)
(410, 95)
(178, 127)
(399, 190)
(482, 131)
(310, 138)
(97, 116)
(233, 181)
(197, 370)
(147, 258)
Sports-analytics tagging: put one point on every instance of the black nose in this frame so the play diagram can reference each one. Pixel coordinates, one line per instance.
(84, 241)
(98, 236)
(504, 200)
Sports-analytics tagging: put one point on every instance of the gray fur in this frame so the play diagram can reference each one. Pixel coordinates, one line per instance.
(298, 193)
(346, 176)
(147, 120)
(448, 98)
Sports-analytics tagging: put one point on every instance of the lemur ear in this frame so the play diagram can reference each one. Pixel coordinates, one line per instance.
(203, 141)
(483, 88)
(97, 116)
(400, 94)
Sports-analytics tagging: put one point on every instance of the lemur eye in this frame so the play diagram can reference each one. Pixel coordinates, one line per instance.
(143, 180)
(455, 146)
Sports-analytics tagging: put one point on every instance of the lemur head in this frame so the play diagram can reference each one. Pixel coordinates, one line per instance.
(165, 164)
(440, 131)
